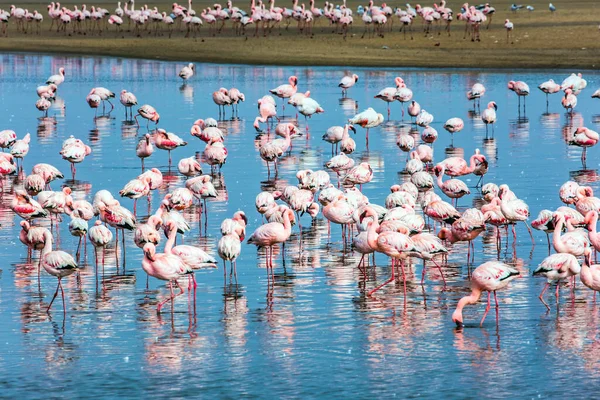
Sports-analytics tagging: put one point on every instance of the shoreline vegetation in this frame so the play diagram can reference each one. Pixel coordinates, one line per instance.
(566, 39)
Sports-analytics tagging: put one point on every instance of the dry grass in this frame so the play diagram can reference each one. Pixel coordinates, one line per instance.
(569, 38)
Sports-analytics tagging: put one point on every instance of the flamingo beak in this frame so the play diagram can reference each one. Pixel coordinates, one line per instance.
(495, 106)
(351, 127)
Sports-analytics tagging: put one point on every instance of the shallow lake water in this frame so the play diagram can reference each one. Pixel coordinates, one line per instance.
(314, 333)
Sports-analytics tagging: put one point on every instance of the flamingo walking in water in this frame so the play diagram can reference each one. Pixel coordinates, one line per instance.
(555, 268)
(59, 264)
(488, 277)
(286, 91)
(166, 267)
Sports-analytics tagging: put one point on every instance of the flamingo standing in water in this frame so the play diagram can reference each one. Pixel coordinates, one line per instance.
(590, 275)
(286, 91)
(144, 148)
(488, 277)
(388, 94)
(556, 268)
(488, 116)
(367, 119)
(521, 89)
(569, 101)
(584, 137)
(149, 113)
(347, 82)
(59, 264)
(396, 245)
(454, 125)
(128, 100)
(549, 87)
(100, 236)
(166, 267)
(229, 249)
(270, 234)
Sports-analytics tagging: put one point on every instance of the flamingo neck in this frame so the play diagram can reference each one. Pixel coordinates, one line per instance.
(47, 244)
(470, 299)
(170, 240)
(556, 242)
(372, 234)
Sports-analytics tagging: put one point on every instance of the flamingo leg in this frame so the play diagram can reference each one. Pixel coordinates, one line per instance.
(392, 278)
(541, 296)
(487, 308)
(53, 297)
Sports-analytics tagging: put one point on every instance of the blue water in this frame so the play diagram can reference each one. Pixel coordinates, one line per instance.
(314, 333)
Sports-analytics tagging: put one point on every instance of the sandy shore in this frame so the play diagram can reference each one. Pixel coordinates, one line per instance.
(567, 39)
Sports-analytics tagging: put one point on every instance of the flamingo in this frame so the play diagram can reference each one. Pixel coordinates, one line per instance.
(229, 249)
(569, 101)
(389, 93)
(167, 141)
(454, 125)
(286, 91)
(149, 113)
(549, 87)
(270, 234)
(144, 148)
(395, 245)
(367, 119)
(57, 79)
(100, 236)
(189, 167)
(509, 26)
(166, 267)
(590, 275)
(347, 82)
(584, 137)
(187, 72)
(488, 116)
(453, 188)
(128, 100)
(59, 264)
(574, 243)
(521, 89)
(514, 210)
(490, 276)
(555, 268)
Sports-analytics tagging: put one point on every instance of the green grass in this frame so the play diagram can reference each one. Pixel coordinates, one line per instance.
(569, 38)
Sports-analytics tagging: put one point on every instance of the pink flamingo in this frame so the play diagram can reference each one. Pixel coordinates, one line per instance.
(189, 167)
(453, 188)
(136, 188)
(26, 207)
(454, 125)
(569, 101)
(396, 245)
(488, 116)
(100, 236)
(34, 237)
(556, 268)
(590, 275)
(339, 211)
(367, 119)
(128, 100)
(286, 91)
(591, 220)
(74, 151)
(362, 173)
(464, 230)
(144, 148)
(194, 257)
(568, 192)
(388, 93)
(574, 243)
(549, 87)
(490, 276)
(267, 111)
(521, 89)
(215, 154)
(429, 246)
(584, 137)
(514, 210)
(149, 113)
(347, 82)
(221, 99)
(166, 267)
(168, 141)
(270, 234)
(48, 172)
(414, 109)
(59, 264)
(586, 201)
(229, 249)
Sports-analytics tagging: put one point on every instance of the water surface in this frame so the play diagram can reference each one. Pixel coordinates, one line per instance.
(314, 333)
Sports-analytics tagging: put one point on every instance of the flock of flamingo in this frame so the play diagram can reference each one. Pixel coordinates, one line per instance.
(397, 228)
(266, 17)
